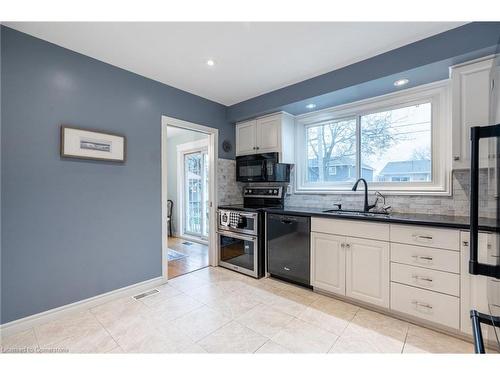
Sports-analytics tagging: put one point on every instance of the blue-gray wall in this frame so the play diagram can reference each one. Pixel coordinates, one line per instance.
(424, 61)
(74, 229)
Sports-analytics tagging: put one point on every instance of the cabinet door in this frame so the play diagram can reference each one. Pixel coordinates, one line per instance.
(328, 262)
(269, 134)
(470, 107)
(246, 138)
(367, 270)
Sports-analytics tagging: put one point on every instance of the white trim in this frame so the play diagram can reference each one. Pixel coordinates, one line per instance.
(469, 62)
(438, 93)
(213, 142)
(183, 149)
(31, 321)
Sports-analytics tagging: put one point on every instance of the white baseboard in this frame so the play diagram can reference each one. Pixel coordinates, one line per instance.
(31, 321)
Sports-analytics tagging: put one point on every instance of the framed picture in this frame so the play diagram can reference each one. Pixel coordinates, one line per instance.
(92, 144)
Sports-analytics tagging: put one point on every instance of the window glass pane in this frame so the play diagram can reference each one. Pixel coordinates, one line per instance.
(193, 186)
(396, 145)
(331, 152)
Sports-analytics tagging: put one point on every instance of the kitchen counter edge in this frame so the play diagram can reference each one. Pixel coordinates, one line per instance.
(442, 221)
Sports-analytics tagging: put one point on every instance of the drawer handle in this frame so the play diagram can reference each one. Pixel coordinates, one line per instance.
(421, 304)
(422, 278)
(465, 243)
(422, 257)
(425, 237)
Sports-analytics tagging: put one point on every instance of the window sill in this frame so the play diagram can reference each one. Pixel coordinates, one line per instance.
(421, 191)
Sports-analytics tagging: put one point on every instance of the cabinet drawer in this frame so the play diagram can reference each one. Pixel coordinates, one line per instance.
(351, 228)
(424, 304)
(437, 281)
(436, 259)
(426, 236)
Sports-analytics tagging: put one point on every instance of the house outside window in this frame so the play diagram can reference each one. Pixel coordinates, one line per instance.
(391, 141)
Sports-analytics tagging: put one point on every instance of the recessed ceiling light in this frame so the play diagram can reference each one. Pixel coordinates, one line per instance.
(401, 82)
(210, 62)
(311, 106)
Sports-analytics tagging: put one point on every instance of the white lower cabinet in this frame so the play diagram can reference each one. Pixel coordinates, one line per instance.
(367, 270)
(410, 269)
(474, 288)
(328, 262)
(355, 267)
(424, 304)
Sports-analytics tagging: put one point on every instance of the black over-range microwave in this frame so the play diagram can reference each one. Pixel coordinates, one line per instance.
(261, 168)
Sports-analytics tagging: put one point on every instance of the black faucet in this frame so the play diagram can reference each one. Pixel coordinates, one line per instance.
(367, 207)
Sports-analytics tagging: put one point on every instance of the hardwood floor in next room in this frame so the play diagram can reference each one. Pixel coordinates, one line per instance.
(196, 257)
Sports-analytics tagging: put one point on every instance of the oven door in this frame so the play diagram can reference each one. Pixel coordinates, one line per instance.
(238, 252)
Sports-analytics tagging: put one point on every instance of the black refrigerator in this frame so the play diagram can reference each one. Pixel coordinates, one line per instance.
(484, 261)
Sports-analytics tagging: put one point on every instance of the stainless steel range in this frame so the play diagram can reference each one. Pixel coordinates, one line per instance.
(240, 230)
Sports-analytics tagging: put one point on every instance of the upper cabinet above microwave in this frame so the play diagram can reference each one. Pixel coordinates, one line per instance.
(471, 89)
(272, 133)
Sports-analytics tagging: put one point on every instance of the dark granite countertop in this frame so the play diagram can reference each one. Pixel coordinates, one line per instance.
(457, 222)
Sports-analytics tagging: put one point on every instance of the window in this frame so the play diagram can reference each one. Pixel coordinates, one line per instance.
(387, 141)
(331, 146)
(396, 144)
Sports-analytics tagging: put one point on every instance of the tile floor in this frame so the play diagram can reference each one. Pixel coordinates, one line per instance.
(196, 257)
(214, 310)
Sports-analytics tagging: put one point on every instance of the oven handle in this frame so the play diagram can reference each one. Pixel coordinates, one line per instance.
(244, 214)
(237, 235)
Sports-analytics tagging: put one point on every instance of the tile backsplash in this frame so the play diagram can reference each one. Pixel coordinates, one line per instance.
(229, 191)
(456, 205)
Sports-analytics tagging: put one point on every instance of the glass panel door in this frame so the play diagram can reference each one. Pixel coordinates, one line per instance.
(196, 194)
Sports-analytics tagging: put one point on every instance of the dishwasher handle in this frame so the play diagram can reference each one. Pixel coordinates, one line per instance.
(286, 219)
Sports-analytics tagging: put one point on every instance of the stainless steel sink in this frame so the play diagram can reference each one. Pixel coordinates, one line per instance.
(356, 213)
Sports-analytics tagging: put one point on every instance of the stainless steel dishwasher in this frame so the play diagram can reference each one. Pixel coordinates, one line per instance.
(288, 248)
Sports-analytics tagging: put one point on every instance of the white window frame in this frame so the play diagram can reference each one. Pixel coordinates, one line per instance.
(437, 93)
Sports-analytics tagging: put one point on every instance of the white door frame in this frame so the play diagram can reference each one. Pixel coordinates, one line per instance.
(213, 141)
(183, 149)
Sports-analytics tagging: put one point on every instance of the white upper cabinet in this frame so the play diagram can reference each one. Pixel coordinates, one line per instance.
(273, 133)
(367, 271)
(246, 137)
(268, 130)
(471, 89)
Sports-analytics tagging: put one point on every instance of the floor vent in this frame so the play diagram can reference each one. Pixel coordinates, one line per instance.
(146, 294)
(187, 243)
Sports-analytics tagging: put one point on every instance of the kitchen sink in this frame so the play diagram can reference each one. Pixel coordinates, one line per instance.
(356, 213)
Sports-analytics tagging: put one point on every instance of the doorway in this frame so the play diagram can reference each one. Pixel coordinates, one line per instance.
(189, 153)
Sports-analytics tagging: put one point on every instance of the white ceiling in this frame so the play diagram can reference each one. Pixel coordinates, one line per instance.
(251, 58)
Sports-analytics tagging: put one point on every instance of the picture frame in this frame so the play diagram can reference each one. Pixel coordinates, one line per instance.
(90, 144)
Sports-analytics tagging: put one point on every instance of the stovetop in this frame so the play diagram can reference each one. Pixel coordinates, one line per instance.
(249, 208)
(258, 198)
